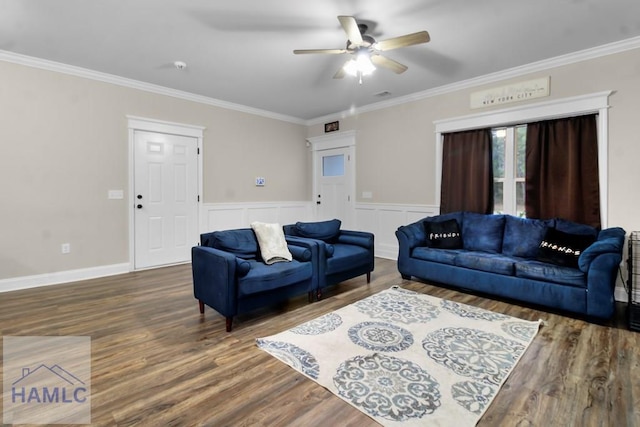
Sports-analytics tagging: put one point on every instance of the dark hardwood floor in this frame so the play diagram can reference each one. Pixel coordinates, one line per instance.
(157, 361)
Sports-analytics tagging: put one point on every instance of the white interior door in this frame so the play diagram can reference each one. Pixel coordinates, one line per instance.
(333, 173)
(165, 198)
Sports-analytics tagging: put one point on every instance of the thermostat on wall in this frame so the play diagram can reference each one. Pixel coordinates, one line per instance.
(260, 181)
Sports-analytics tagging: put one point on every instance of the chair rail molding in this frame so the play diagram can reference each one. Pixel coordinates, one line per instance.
(226, 216)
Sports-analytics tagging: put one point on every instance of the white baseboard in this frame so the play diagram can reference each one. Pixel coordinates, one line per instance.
(27, 282)
(620, 293)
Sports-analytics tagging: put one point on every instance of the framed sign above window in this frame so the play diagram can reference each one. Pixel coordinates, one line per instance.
(331, 127)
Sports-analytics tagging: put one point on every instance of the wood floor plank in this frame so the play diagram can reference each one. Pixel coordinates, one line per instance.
(157, 361)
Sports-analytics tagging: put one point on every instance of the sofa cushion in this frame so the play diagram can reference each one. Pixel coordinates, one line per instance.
(522, 236)
(242, 242)
(445, 217)
(531, 269)
(443, 235)
(327, 231)
(575, 228)
(482, 232)
(435, 255)
(493, 263)
(562, 248)
(263, 277)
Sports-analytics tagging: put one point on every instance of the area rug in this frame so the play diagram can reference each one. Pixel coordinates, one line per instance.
(408, 359)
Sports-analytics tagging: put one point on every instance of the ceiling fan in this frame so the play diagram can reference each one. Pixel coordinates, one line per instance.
(366, 50)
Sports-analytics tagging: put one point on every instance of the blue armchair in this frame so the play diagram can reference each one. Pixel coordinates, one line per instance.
(342, 254)
(230, 276)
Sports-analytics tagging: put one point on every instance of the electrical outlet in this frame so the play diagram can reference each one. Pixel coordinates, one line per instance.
(260, 181)
(65, 248)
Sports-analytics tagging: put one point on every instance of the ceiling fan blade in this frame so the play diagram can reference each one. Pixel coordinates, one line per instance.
(392, 65)
(351, 28)
(330, 51)
(340, 73)
(402, 41)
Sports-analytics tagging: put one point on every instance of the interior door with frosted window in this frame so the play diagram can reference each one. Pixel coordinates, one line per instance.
(333, 198)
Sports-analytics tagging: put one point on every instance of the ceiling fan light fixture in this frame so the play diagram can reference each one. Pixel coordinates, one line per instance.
(360, 66)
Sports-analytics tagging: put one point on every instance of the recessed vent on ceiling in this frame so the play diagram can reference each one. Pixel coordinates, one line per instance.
(382, 94)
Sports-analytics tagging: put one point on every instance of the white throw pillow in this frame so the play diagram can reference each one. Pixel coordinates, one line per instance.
(273, 246)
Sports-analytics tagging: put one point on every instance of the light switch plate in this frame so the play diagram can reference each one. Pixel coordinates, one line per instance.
(116, 194)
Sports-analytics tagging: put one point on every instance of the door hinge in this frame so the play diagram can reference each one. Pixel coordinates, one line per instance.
(198, 197)
(198, 150)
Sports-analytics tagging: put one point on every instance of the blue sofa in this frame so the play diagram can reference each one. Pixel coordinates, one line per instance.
(342, 254)
(554, 263)
(230, 276)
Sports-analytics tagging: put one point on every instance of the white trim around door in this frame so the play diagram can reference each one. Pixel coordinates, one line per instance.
(347, 140)
(159, 126)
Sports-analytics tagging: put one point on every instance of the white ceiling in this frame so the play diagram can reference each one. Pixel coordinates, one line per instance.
(240, 51)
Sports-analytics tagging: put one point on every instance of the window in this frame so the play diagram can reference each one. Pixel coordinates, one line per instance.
(509, 150)
(333, 165)
(597, 103)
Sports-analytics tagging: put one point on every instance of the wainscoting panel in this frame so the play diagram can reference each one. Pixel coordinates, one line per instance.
(383, 220)
(225, 216)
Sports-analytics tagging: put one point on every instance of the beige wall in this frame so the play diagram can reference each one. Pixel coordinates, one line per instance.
(64, 144)
(396, 146)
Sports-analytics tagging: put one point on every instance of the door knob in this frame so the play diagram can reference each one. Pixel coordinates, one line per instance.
(139, 196)
(139, 206)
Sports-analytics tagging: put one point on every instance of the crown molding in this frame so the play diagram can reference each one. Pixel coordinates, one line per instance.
(86, 73)
(571, 58)
(546, 64)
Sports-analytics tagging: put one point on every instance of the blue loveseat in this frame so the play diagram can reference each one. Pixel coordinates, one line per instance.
(554, 263)
(230, 276)
(341, 255)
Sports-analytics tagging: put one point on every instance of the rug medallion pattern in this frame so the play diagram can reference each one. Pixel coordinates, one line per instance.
(406, 358)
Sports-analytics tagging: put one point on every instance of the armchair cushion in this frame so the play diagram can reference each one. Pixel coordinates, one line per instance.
(242, 242)
(263, 278)
(326, 231)
(273, 246)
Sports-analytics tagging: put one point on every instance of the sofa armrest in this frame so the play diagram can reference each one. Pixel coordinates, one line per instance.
(601, 282)
(413, 235)
(610, 240)
(214, 278)
(358, 238)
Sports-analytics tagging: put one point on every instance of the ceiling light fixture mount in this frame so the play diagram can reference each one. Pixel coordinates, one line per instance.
(180, 65)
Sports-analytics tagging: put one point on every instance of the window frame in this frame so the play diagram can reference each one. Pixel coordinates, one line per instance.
(597, 103)
(510, 179)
